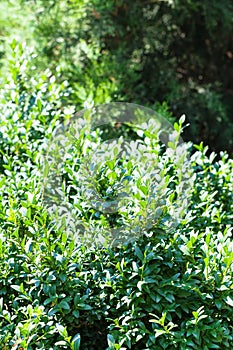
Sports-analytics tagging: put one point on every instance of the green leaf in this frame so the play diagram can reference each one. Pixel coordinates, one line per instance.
(16, 287)
(182, 119)
(76, 313)
(139, 253)
(61, 343)
(111, 342)
(76, 342)
(63, 305)
(229, 301)
(140, 284)
(85, 307)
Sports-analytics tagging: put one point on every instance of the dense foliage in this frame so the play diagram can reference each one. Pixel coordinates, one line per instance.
(140, 51)
(170, 289)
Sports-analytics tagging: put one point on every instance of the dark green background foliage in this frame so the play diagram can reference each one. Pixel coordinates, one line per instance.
(171, 289)
(145, 52)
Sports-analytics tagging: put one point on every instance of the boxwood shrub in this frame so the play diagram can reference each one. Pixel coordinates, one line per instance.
(171, 288)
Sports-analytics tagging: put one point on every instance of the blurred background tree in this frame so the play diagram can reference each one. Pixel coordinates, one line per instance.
(142, 51)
